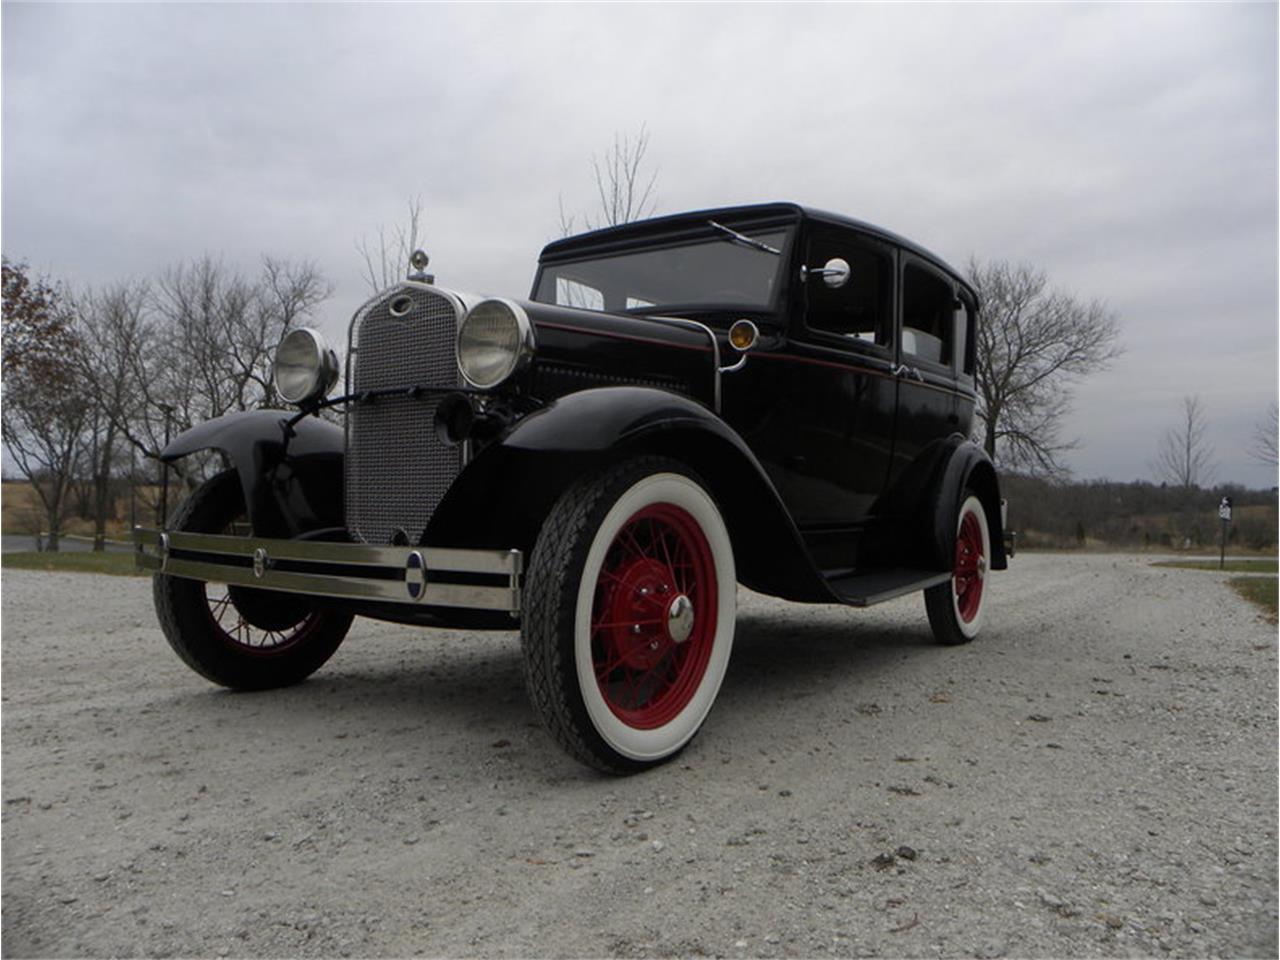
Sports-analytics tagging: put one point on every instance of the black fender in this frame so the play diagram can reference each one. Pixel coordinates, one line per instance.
(968, 468)
(918, 513)
(291, 476)
(502, 497)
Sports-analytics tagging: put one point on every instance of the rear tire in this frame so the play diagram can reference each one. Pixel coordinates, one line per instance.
(956, 607)
(276, 639)
(629, 617)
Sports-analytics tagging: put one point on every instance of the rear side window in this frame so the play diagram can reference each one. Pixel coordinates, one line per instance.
(966, 320)
(928, 316)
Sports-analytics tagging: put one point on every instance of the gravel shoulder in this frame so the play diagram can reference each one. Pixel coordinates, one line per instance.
(1095, 776)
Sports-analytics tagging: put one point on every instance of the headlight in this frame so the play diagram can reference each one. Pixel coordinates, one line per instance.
(305, 368)
(494, 340)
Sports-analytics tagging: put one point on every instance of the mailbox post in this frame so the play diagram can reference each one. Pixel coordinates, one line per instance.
(1224, 514)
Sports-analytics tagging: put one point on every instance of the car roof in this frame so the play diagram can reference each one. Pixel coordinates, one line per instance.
(639, 230)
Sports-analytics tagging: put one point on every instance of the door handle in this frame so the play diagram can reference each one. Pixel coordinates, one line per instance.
(903, 371)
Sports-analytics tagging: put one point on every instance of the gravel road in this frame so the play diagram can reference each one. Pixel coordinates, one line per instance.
(1095, 776)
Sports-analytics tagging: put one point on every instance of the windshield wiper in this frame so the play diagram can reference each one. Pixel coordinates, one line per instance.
(746, 241)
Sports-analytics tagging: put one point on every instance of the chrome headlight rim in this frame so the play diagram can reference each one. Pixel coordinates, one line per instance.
(305, 367)
(521, 355)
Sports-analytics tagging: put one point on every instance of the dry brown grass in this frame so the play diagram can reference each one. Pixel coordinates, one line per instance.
(22, 513)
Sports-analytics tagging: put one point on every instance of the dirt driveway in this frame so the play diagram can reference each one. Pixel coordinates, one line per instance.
(1096, 776)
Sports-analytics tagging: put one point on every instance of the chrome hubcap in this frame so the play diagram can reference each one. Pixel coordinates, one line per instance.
(680, 619)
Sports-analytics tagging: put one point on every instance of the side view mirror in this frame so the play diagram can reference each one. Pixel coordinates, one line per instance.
(834, 273)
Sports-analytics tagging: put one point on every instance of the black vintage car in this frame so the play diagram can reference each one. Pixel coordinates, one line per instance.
(766, 395)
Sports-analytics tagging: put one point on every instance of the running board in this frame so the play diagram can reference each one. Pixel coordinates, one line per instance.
(864, 589)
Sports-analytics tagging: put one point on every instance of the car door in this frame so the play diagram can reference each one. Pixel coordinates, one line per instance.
(836, 392)
(926, 353)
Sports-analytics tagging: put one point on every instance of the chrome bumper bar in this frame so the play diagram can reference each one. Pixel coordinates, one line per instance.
(422, 576)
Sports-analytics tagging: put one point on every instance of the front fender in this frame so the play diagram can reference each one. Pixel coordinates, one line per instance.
(292, 479)
(502, 497)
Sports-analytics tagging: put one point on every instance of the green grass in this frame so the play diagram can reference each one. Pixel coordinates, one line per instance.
(1263, 591)
(1232, 566)
(117, 563)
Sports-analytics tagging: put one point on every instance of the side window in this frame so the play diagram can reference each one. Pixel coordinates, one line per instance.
(928, 316)
(965, 334)
(860, 310)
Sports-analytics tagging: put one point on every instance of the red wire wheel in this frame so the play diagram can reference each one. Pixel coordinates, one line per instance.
(255, 622)
(956, 605)
(653, 617)
(230, 624)
(970, 568)
(240, 637)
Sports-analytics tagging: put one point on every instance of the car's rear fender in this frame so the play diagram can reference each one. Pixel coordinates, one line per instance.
(291, 475)
(917, 515)
(503, 495)
(965, 467)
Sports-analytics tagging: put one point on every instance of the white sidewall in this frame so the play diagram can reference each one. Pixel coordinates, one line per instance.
(970, 629)
(661, 741)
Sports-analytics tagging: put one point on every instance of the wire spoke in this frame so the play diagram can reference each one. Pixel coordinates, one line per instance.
(626, 623)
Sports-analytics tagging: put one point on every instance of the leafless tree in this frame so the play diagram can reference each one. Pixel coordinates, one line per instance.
(1033, 344)
(219, 331)
(288, 295)
(45, 406)
(211, 343)
(624, 187)
(1184, 457)
(385, 261)
(1262, 445)
(116, 331)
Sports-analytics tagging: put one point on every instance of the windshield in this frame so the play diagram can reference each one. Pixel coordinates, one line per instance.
(715, 270)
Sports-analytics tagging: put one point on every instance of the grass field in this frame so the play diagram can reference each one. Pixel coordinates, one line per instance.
(117, 563)
(1264, 591)
(1232, 566)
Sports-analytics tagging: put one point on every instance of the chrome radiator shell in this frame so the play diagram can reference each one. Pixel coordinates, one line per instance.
(397, 468)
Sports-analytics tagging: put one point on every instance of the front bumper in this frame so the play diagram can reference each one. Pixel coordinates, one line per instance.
(420, 576)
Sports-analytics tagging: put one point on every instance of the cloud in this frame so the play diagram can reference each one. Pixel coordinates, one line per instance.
(1129, 150)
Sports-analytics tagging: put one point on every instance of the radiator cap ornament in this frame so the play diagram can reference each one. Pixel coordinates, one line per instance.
(418, 261)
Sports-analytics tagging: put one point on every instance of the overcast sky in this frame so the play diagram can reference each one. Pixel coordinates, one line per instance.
(1129, 151)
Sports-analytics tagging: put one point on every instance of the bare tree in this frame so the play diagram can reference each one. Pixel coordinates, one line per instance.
(385, 261)
(1033, 344)
(211, 344)
(1184, 458)
(623, 187)
(1262, 444)
(115, 331)
(288, 294)
(45, 406)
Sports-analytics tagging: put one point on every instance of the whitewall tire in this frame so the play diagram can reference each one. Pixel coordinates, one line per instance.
(956, 607)
(631, 602)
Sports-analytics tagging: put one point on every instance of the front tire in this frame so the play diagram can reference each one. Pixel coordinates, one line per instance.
(629, 616)
(240, 637)
(956, 607)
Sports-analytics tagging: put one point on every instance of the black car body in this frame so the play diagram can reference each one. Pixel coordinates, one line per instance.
(781, 397)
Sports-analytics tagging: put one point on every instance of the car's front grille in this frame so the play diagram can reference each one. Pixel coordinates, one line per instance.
(398, 470)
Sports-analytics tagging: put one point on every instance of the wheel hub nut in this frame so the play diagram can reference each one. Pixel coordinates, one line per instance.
(680, 618)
